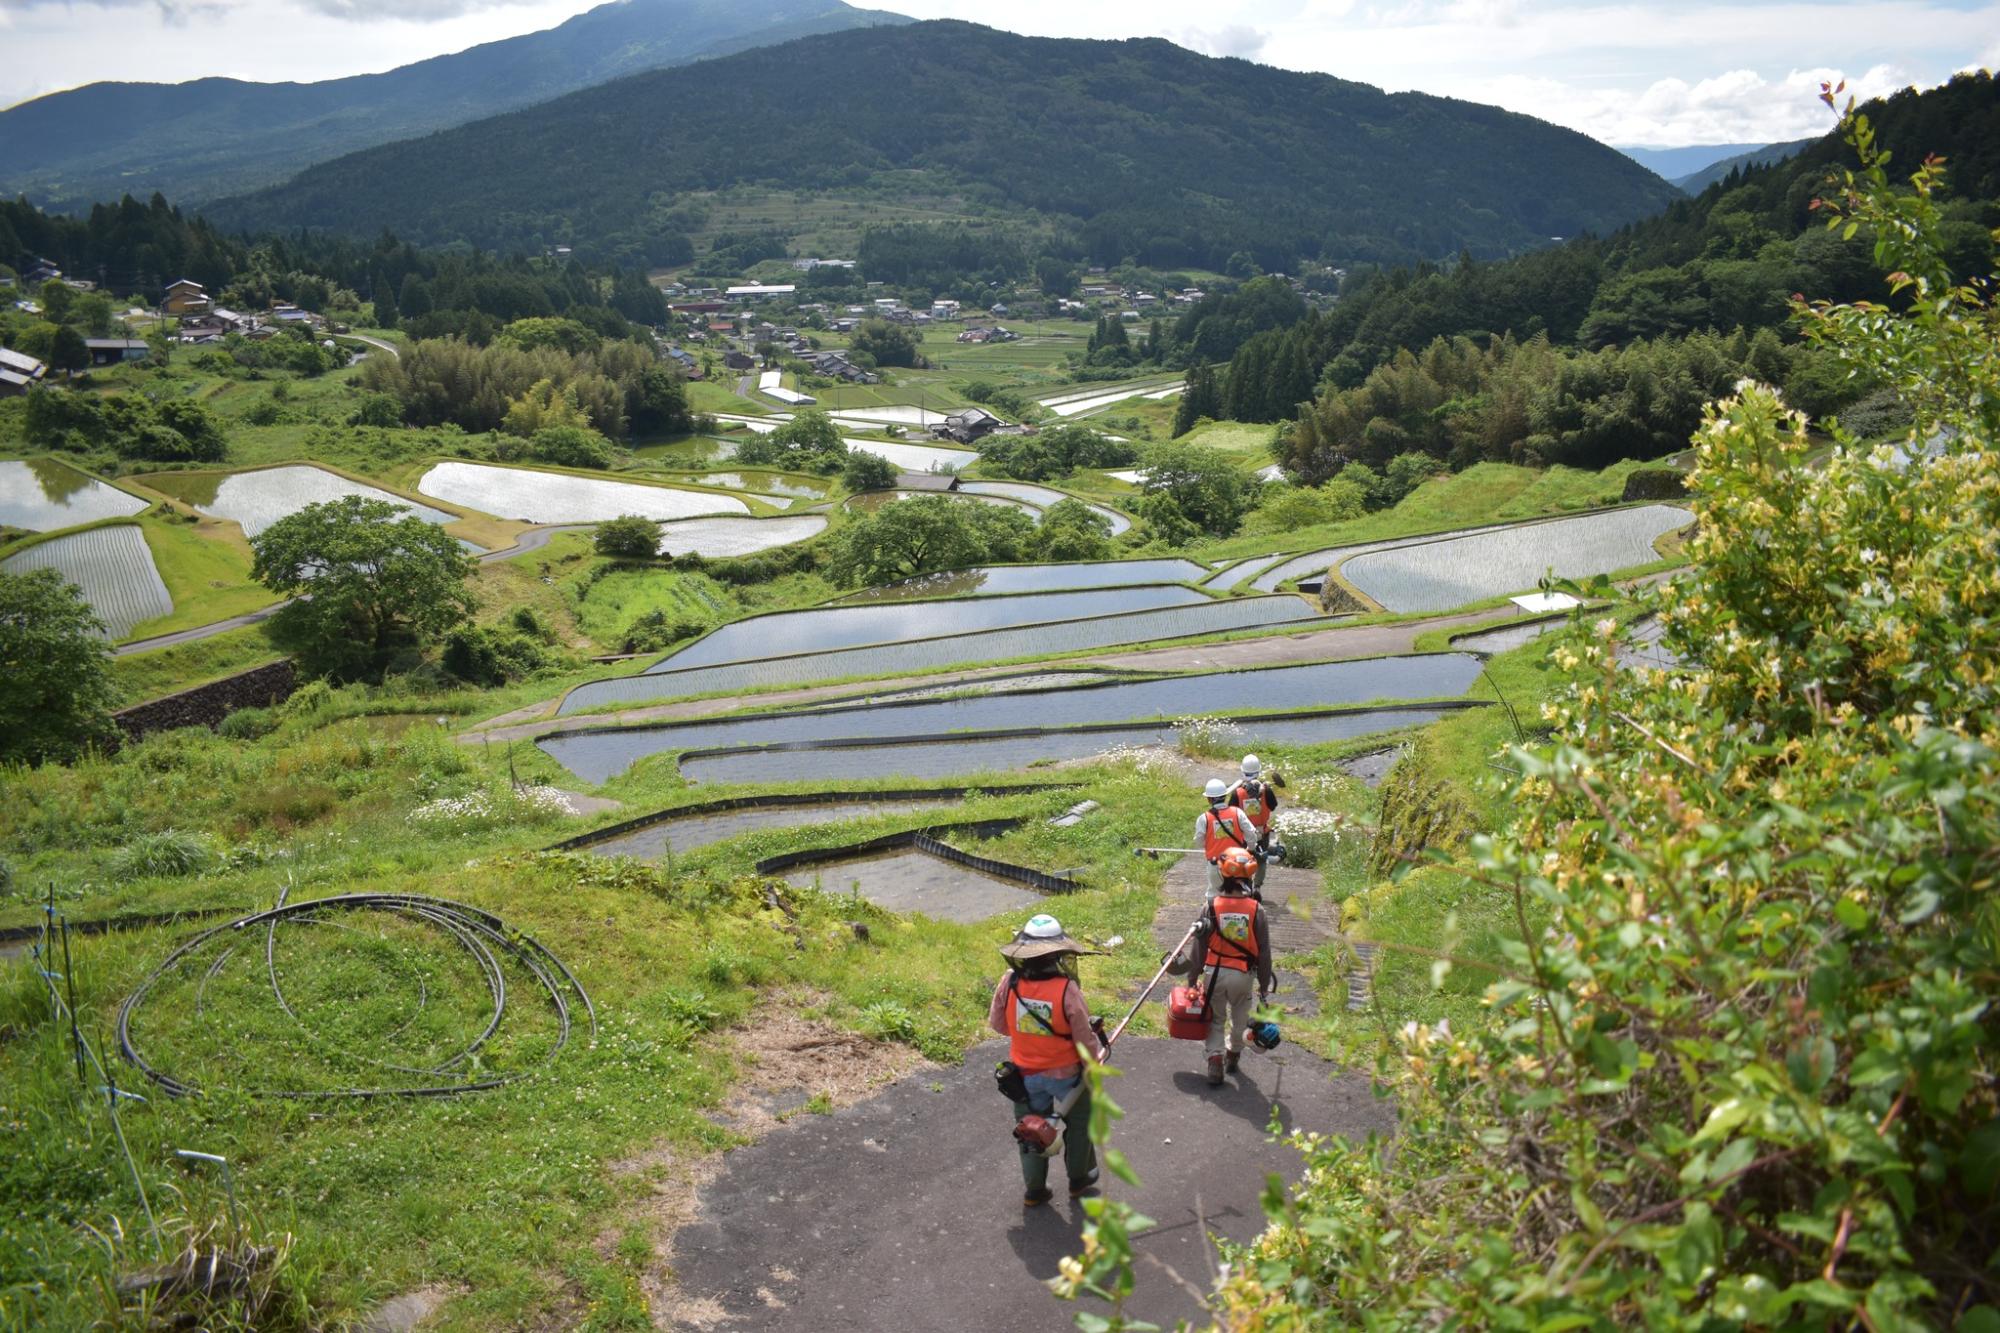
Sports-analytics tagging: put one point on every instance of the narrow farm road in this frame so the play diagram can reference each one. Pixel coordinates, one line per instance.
(904, 1210)
(380, 344)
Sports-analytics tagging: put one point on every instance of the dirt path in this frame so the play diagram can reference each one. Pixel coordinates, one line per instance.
(904, 1211)
(1327, 645)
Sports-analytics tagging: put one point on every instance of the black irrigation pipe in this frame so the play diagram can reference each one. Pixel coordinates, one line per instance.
(781, 800)
(480, 933)
(105, 924)
(927, 840)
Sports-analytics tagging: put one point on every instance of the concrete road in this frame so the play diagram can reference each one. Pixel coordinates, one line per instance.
(904, 1211)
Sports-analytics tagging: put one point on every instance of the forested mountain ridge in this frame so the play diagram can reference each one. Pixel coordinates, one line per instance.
(1694, 182)
(1135, 149)
(197, 140)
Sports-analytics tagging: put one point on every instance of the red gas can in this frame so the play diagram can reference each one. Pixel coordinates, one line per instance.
(1187, 1013)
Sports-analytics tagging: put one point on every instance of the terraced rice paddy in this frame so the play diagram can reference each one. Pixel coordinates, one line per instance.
(908, 880)
(113, 568)
(1042, 497)
(1083, 402)
(760, 483)
(916, 457)
(597, 756)
(1507, 637)
(1439, 575)
(535, 496)
(256, 500)
(823, 628)
(919, 655)
(736, 536)
(995, 579)
(703, 828)
(1236, 571)
(996, 754)
(41, 495)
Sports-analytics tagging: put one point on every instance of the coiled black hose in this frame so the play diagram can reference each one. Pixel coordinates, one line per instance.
(481, 934)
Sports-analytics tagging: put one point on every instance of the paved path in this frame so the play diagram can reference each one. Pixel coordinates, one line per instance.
(1301, 921)
(904, 1211)
(377, 343)
(1328, 645)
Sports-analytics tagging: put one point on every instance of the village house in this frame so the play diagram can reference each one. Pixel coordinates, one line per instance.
(935, 483)
(185, 297)
(736, 360)
(942, 309)
(18, 371)
(114, 351)
(760, 291)
(40, 271)
(968, 426)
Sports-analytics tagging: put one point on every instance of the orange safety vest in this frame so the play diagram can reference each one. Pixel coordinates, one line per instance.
(1232, 938)
(1251, 799)
(1226, 829)
(1038, 1036)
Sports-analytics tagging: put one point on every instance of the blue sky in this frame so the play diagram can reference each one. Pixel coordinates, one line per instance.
(1703, 71)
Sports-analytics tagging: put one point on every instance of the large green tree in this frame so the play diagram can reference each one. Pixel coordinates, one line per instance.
(906, 538)
(1204, 485)
(55, 670)
(370, 580)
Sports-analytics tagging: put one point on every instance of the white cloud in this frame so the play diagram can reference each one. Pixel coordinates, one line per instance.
(1237, 39)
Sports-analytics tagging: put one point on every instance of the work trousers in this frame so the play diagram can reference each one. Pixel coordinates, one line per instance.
(1231, 1000)
(1079, 1153)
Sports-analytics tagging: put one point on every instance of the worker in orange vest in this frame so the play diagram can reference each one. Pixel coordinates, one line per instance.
(1038, 1006)
(1256, 799)
(1221, 827)
(1232, 940)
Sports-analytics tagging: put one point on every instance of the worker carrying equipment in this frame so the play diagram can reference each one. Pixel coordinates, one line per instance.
(1221, 828)
(1258, 801)
(1233, 939)
(1038, 1006)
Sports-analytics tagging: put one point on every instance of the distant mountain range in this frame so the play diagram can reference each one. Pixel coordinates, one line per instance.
(1136, 149)
(1697, 181)
(199, 140)
(1673, 163)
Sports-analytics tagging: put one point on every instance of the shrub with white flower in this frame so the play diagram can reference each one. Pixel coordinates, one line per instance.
(482, 806)
(1309, 835)
(1206, 737)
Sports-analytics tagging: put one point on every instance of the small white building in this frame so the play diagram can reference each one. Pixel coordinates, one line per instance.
(761, 291)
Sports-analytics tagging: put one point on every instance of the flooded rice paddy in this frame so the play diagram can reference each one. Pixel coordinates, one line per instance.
(1438, 575)
(823, 628)
(983, 754)
(918, 655)
(599, 756)
(699, 828)
(112, 567)
(1507, 637)
(41, 495)
(909, 880)
(995, 579)
(256, 500)
(1040, 498)
(535, 496)
(736, 536)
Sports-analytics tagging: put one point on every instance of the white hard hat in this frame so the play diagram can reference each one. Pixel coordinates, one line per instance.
(1252, 766)
(1217, 789)
(1042, 926)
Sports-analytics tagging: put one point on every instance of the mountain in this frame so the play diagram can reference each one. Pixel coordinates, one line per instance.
(1135, 149)
(198, 140)
(1669, 163)
(1697, 181)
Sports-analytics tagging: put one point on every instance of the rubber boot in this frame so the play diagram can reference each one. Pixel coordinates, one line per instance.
(1235, 1058)
(1214, 1071)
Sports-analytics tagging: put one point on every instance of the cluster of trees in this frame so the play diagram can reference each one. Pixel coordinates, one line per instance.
(809, 442)
(171, 429)
(536, 374)
(1055, 452)
(877, 342)
(1460, 401)
(939, 257)
(927, 533)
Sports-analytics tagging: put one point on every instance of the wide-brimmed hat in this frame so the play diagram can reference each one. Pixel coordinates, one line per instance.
(1042, 937)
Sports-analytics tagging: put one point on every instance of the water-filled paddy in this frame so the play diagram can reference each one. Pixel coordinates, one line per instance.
(256, 500)
(1438, 575)
(918, 655)
(995, 579)
(916, 457)
(41, 495)
(698, 828)
(113, 568)
(535, 496)
(727, 536)
(822, 628)
(982, 754)
(1042, 497)
(1507, 637)
(598, 756)
(908, 880)
(762, 483)
(1235, 571)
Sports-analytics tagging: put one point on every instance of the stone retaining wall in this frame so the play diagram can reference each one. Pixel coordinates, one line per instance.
(206, 705)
